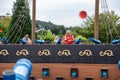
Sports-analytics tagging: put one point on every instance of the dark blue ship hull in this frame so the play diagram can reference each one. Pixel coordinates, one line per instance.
(92, 54)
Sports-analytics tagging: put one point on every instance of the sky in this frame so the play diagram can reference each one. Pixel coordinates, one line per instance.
(61, 12)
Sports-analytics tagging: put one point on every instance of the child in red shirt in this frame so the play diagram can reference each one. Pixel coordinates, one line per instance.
(68, 38)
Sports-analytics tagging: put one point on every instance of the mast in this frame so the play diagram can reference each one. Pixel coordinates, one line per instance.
(96, 22)
(33, 20)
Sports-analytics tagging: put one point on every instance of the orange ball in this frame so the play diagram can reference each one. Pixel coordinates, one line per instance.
(83, 14)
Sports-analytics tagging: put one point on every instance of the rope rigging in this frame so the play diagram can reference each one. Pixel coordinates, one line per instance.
(106, 19)
(18, 26)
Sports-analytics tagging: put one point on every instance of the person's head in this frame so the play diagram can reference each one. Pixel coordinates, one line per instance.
(56, 37)
(26, 36)
(68, 32)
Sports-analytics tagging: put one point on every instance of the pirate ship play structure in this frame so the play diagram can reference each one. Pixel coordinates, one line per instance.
(65, 62)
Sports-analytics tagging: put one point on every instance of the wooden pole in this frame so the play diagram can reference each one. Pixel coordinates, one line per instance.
(96, 22)
(33, 20)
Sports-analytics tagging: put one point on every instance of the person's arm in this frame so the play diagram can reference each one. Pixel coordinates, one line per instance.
(63, 39)
(29, 41)
(73, 39)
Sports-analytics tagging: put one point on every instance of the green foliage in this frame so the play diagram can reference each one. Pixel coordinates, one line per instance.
(41, 33)
(109, 27)
(4, 24)
(48, 36)
(74, 33)
(20, 22)
(5, 21)
(87, 29)
(4, 30)
(81, 37)
(107, 23)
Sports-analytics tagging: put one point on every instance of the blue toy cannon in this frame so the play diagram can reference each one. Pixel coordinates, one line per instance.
(96, 41)
(116, 41)
(8, 75)
(59, 40)
(4, 40)
(39, 41)
(78, 41)
(22, 70)
(23, 41)
(119, 64)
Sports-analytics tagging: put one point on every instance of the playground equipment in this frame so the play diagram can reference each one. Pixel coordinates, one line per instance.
(21, 71)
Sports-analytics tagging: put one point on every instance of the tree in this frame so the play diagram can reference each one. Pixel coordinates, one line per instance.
(109, 26)
(4, 23)
(21, 22)
(49, 36)
(4, 30)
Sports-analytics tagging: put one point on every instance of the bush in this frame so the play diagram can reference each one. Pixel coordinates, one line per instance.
(48, 36)
(81, 37)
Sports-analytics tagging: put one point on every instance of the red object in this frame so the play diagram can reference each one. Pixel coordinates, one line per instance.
(83, 14)
(69, 39)
(1, 30)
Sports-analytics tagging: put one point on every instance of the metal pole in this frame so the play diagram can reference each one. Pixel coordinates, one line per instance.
(33, 20)
(96, 22)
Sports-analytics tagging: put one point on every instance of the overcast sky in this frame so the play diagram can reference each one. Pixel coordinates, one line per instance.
(61, 12)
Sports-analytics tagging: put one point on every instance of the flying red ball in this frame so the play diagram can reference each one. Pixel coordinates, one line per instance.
(83, 14)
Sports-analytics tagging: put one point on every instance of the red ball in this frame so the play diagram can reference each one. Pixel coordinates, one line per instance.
(83, 14)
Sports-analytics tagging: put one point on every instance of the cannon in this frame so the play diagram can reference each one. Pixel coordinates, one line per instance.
(116, 41)
(96, 41)
(21, 71)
